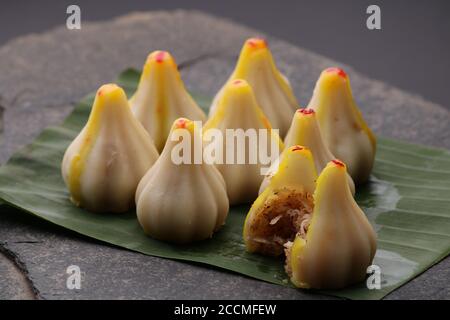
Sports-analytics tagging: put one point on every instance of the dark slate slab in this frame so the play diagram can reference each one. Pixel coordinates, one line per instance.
(42, 75)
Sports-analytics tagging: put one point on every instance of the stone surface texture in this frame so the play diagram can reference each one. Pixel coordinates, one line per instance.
(43, 75)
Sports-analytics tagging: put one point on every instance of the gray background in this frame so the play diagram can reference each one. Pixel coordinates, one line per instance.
(411, 51)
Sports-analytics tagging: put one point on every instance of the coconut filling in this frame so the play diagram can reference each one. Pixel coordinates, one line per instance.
(286, 213)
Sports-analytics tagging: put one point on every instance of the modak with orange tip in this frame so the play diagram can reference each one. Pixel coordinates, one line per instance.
(339, 243)
(327, 240)
(272, 89)
(305, 131)
(343, 127)
(238, 110)
(181, 202)
(104, 164)
(161, 97)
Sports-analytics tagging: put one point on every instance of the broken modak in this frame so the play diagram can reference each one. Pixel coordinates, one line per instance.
(104, 164)
(327, 240)
(339, 243)
(285, 206)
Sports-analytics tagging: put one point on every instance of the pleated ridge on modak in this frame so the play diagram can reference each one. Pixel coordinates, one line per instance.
(161, 97)
(238, 110)
(178, 201)
(104, 164)
(343, 127)
(271, 88)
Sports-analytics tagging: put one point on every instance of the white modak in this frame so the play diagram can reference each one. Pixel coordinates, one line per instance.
(104, 164)
(181, 203)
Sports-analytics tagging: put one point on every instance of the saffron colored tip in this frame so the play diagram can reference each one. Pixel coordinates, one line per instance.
(107, 88)
(257, 42)
(338, 71)
(306, 111)
(181, 124)
(160, 56)
(338, 163)
(297, 148)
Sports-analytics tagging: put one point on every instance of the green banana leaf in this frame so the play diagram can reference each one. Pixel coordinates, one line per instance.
(406, 201)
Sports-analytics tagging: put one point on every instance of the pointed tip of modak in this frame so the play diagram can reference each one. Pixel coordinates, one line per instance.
(254, 46)
(335, 71)
(238, 93)
(238, 87)
(183, 124)
(334, 75)
(337, 163)
(238, 83)
(110, 93)
(298, 150)
(304, 118)
(159, 58)
(334, 178)
(334, 165)
(301, 112)
(256, 43)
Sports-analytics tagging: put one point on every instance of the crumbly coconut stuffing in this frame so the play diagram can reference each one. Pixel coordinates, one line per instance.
(285, 214)
(302, 225)
(287, 252)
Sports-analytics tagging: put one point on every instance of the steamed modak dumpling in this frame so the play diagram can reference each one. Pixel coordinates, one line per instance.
(327, 240)
(181, 199)
(305, 131)
(238, 110)
(272, 89)
(343, 128)
(339, 243)
(104, 164)
(161, 97)
(284, 207)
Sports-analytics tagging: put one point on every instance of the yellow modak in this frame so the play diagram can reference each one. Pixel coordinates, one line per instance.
(237, 110)
(343, 128)
(305, 131)
(178, 201)
(327, 240)
(339, 244)
(104, 164)
(272, 89)
(161, 97)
